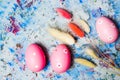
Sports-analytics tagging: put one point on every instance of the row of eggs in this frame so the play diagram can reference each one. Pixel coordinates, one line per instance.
(60, 58)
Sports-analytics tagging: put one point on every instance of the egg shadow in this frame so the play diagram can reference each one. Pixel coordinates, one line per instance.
(72, 56)
(116, 24)
(114, 21)
(117, 45)
(45, 52)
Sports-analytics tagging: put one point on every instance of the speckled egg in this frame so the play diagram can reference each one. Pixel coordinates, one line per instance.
(60, 58)
(35, 58)
(107, 30)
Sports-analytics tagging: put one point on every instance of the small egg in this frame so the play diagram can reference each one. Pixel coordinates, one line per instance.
(107, 30)
(60, 59)
(35, 58)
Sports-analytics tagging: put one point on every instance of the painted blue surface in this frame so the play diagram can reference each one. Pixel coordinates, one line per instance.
(33, 20)
(11, 50)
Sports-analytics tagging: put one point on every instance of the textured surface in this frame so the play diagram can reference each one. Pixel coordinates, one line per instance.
(23, 22)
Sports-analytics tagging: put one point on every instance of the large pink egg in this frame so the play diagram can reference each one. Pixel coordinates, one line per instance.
(107, 30)
(35, 58)
(60, 58)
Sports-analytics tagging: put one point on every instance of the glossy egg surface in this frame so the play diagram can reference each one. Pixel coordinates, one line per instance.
(60, 58)
(107, 30)
(35, 58)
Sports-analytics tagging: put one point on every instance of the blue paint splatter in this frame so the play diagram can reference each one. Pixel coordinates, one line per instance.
(20, 57)
(43, 75)
(1, 12)
(67, 3)
(34, 8)
(90, 73)
(21, 15)
(1, 46)
(74, 73)
(23, 55)
(21, 68)
(23, 25)
(7, 79)
(113, 76)
(10, 63)
(46, 68)
(76, 55)
(117, 61)
(97, 12)
(58, 76)
(81, 1)
(11, 50)
(115, 6)
(111, 45)
(15, 7)
(1, 37)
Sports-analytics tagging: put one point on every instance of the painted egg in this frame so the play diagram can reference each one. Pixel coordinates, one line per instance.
(35, 58)
(60, 58)
(107, 30)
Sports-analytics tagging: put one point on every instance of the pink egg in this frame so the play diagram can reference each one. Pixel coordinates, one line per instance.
(35, 58)
(107, 30)
(60, 59)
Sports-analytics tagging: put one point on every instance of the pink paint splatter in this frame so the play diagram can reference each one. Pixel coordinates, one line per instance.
(32, 79)
(29, 4)
(22, 66)
(14, 28)
(19, 3)
(104, 64)
(16, 60)
(50, 75)
(62, 0)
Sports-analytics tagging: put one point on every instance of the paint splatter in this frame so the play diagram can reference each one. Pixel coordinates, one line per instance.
(19, 45)
(11, 50)
(19, 3)
(25, 19)
(1, 46)
(81, 1)
(11, 63)
(14, 28)
(97, 12)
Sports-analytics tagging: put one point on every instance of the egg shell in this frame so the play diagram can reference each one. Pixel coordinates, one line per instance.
(35, 58)
(60, 58)
(107, 30)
